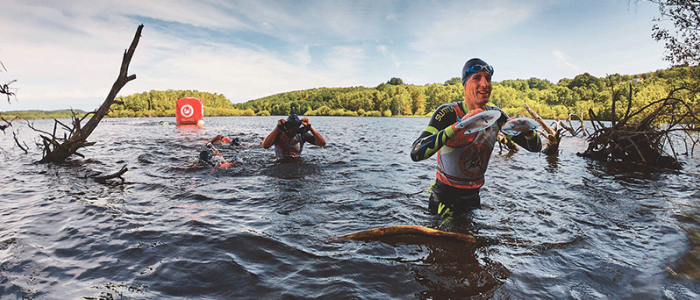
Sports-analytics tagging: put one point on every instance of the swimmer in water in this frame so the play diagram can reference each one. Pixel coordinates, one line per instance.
(462, 157)
(212, 157)
(290, 135)
(220, 140)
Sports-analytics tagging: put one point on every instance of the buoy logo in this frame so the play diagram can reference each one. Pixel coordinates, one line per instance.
(187, 110)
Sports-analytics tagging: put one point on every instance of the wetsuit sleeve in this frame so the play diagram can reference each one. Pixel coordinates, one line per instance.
(529, 140)
(438, 132)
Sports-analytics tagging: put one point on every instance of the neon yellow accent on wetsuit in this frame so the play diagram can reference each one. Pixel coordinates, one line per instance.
(534, 135)
(430, 188)
(444, 212)
(439, 139)
(431, 129)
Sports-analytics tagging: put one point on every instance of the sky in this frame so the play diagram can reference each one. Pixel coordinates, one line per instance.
(67, 54)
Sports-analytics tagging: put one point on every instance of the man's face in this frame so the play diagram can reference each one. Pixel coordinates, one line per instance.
(478, 89)
(292, 131)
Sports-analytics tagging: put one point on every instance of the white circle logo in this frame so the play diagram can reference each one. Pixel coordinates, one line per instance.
(187, 110)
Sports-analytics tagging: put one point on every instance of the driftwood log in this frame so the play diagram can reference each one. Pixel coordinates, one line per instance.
(104, 178)
(58, 149)
(397, 230)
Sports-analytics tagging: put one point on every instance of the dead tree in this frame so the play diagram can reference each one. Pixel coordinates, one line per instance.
(553, 136)
(58, 149)
(644, 142)
(582, 128)
(5, 89)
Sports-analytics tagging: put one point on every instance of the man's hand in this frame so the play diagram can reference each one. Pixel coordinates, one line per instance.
(517, 125)
(280, 124)
(306, 124)
(459, 125)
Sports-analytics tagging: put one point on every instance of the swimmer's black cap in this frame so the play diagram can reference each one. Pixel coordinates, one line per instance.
(473, 66)
(205, 155)
(293, 121)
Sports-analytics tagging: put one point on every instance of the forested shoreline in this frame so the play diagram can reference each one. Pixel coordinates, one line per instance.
(394, 98)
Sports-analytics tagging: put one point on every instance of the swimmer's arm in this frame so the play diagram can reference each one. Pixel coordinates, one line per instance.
(438, 132)
(318, 139)
(529, 140)
(430, 141)
(270, 139)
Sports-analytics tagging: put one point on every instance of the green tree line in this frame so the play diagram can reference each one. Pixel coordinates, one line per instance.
(549, 100)
(41, 114)
(395, 98)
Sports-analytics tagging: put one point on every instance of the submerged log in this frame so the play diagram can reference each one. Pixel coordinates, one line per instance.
(396, 230)
(58, 149)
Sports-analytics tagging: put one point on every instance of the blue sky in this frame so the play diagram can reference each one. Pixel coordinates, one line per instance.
(66, 54)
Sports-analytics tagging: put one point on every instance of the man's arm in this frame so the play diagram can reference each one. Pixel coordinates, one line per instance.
(529, 140)
(318, 139)
(270, 139)
(438, 132)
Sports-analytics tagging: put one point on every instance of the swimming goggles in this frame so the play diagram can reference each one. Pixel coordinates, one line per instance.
(480, 68)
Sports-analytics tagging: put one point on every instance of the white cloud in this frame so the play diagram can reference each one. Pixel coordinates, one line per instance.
(458, 24)
(68, 53)
(563, 60)
(385, 51)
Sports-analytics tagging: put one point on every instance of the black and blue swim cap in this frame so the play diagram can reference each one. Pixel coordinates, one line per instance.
(474, 66)
(293, 120)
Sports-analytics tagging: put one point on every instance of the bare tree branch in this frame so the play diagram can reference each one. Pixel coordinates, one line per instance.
(59, 152)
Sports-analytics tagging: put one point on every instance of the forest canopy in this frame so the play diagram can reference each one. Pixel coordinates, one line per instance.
(395, 98)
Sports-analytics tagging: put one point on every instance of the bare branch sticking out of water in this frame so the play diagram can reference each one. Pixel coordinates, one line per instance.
(103, 179)
(5, 89)
(553, 136)
(55, 151)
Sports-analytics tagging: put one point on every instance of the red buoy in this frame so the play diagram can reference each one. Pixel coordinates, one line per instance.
(189, 111)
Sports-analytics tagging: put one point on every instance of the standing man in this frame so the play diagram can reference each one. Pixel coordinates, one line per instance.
(289, 137)
(462, 158)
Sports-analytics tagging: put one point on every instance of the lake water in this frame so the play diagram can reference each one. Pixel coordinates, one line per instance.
(550, 228)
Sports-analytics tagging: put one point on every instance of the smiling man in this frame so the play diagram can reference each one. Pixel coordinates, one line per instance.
(463, 156)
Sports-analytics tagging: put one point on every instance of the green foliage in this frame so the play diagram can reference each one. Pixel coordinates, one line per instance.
(162, 104)
(395, 81)
(41, 114)
(549, 100)
(394, 98)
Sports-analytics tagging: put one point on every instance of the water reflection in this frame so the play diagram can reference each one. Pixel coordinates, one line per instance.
(457, 271)
(552, 164)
